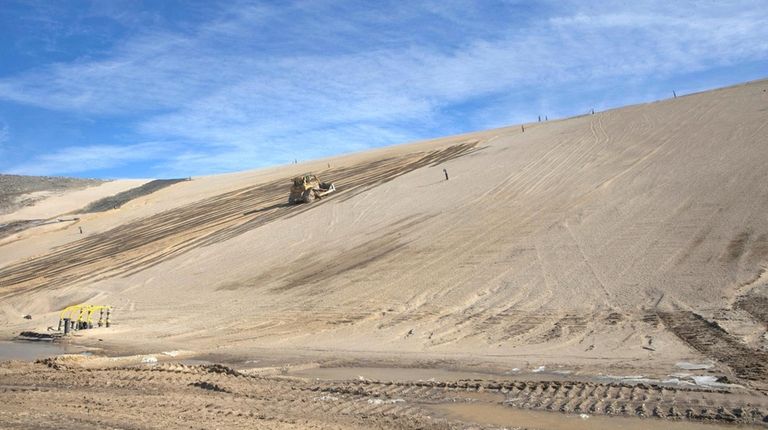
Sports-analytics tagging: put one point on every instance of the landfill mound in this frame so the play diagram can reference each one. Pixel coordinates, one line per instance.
(623, 250)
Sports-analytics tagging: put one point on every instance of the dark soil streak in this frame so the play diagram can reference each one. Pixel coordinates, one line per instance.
(737, 246)
(119, 199)
(317, 270)
(755, 305)
(144, 243)
(711, 340)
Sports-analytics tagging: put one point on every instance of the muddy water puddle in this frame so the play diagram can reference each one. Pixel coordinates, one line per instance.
(505, 416)
(395, 374)
(194, 362)
(408, 374)
(30, 350)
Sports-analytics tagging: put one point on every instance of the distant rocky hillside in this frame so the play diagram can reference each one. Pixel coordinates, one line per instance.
(15, 190)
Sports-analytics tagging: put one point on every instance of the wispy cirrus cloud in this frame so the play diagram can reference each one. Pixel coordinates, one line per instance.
(276, 150)
(257, 83)
(77, 159)
(5, 133)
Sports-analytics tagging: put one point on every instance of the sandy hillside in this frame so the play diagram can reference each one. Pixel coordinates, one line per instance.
(614, 239)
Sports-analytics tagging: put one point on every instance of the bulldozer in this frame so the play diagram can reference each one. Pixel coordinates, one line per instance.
(307, 188)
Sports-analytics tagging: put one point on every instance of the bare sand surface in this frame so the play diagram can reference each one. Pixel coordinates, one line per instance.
(593, 255)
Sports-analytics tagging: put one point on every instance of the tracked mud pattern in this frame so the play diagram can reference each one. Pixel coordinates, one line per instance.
(755, 305)
(179, 396)
(710, 339)
(147, 242)
(574, 397)
(167, 395)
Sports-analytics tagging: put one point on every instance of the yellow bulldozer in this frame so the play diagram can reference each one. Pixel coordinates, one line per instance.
(307, 188)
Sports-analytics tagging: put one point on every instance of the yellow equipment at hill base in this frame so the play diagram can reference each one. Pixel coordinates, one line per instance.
(84, 317)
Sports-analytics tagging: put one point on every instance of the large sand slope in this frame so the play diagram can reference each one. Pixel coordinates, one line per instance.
(613, 235)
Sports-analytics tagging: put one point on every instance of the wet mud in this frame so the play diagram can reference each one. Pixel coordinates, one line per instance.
(713, 341)
(59, 391)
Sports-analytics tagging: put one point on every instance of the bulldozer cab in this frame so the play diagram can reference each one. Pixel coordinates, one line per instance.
(304, 181)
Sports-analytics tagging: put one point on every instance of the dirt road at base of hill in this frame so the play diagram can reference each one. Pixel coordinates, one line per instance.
(58, 392)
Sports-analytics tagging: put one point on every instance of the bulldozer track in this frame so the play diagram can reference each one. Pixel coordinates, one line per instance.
(755, 305)
(710, 339)
(571, 397)
(171, 393)
(144, 243)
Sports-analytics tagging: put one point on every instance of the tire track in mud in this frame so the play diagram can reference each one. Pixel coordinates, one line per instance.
(711, 340)
(230, 398)
(144, 243)
(640, 400)
(174, 395)
(755, 305)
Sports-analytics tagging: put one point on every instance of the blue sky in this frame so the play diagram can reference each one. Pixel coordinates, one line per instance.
(140, 89)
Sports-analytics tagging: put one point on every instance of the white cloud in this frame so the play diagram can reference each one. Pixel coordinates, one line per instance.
(233, 89)
(163, 70)
(5, 133)
(311, 145)
(73, 160)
